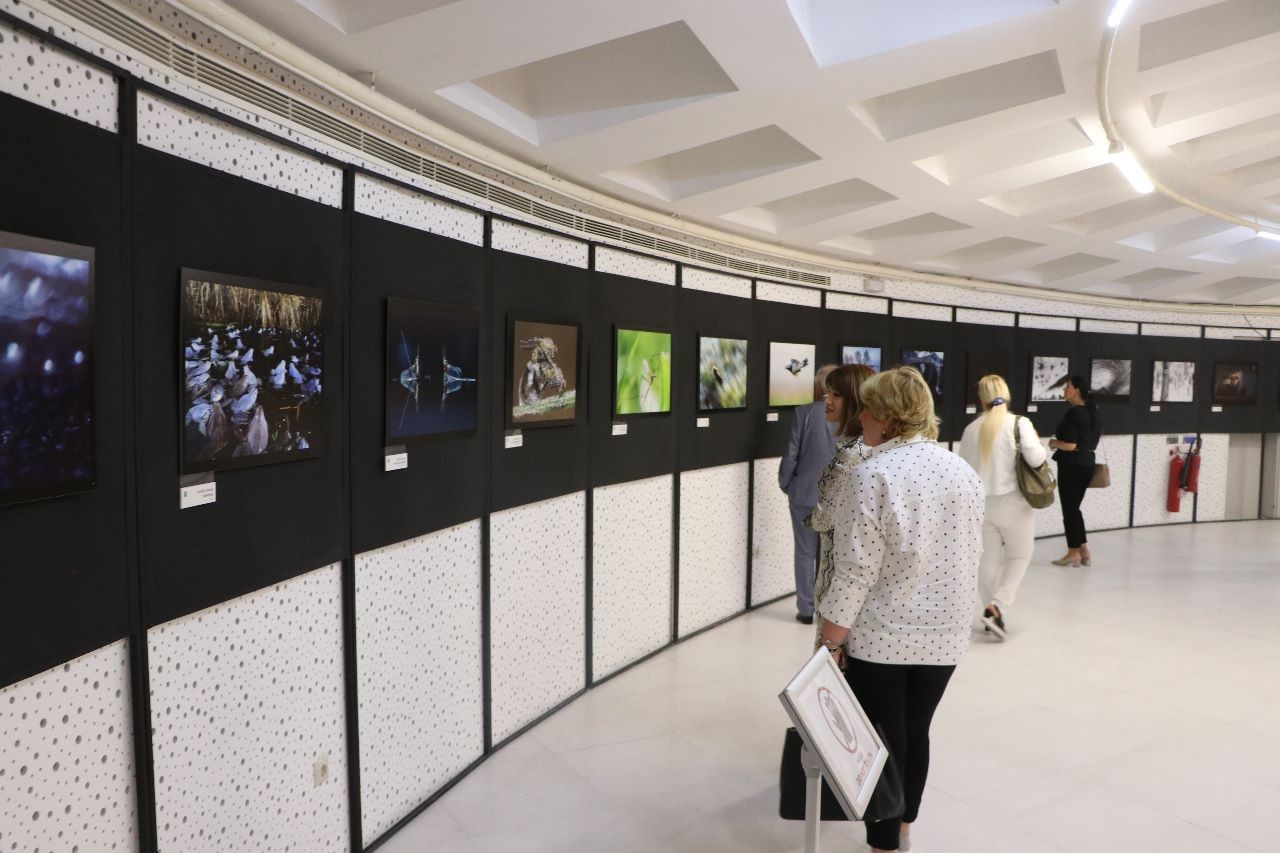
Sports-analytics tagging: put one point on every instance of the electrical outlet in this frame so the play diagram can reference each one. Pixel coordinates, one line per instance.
(321, 769)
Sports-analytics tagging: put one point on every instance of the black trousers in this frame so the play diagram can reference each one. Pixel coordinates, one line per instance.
(1073, 480)
(902, 699)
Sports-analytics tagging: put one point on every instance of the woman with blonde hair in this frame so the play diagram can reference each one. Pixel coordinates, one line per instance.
(991, 444)
(898, 610)
(843, 408)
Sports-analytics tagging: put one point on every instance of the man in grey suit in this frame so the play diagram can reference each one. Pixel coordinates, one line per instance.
(810, 446)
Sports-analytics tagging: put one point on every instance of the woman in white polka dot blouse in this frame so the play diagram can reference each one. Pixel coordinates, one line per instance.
(908, 539)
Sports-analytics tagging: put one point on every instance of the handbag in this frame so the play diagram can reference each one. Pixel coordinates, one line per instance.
(887, 801)
(1036, 484)
(1101, 475)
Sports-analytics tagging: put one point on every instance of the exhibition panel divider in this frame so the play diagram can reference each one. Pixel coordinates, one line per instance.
(263, 329)
(713, 332)
(929, 345)
(1180, 389)
(63, 560)
(417, 309)
(1243, 378)
(788, 347)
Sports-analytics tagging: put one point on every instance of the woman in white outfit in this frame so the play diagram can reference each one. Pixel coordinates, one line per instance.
(1008, 529)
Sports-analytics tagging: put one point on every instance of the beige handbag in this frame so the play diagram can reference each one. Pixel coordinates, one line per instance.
(1101, 474)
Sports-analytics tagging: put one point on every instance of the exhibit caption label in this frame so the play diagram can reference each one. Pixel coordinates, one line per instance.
(395, 461)
(198, 495)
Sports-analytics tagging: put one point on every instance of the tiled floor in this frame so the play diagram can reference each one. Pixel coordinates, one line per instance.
(1136, 707)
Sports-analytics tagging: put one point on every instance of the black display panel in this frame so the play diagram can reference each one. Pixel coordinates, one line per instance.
(648, 449)
(552, 461)
(792, 324)
(63, 568)
(544, 368)
(933, 338)
(731, 434)
(47, 421)
(269, 523)
(444, 482)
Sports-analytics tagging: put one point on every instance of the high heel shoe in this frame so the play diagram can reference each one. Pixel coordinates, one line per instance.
(1067, 561)
(1086, 561)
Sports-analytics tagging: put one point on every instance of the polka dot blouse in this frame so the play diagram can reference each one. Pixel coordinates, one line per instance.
(907, 540)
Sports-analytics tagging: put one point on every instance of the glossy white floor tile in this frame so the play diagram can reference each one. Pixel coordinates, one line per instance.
(1136, 707)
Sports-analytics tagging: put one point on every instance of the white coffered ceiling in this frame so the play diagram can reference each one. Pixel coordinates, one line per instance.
(944, 136)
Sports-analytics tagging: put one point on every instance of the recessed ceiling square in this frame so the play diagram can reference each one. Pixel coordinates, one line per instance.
(1124, 213)
(811, 206)
(843, 30)
(984, 253)
(1154, 277)
(354, 16)
(1205, 30)
(1058, 191)
(1233, 288)
(916, 226)
(1078, 263)
(715, 165)
(963, 97)
(597, 86)
(993, 155)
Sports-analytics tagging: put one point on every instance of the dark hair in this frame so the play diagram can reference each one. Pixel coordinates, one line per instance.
(1090, 402)
(844, 381)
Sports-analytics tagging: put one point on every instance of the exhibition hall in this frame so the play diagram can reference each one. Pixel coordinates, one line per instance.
(656, 426)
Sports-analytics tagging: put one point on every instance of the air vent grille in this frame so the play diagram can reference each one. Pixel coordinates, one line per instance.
(183, 60)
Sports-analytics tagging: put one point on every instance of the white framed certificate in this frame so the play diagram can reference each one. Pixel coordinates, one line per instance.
(836, 730)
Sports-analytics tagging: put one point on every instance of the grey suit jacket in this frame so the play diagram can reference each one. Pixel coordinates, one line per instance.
(810, 446)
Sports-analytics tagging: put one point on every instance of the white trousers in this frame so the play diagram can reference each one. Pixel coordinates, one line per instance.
(1008, 539)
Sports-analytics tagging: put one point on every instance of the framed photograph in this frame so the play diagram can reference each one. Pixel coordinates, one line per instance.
(870, 356)
(642, 371)
(1173, 382)
(432, 370)
(930, 363)
(1111, 378)
(722, 374)
(1049, 374)
(1235, 383)
(980, 363)
(791, 371)
(252, 356)
(47, 414)
(837, 731)
(543, 360)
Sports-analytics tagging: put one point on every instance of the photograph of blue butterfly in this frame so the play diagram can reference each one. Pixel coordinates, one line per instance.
(47, 416)
(929, 363)
(433, 361)
(253, 366)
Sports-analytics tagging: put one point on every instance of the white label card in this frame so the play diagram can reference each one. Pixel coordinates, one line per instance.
(969, 410)
(395, 461)
(1155, 408)
(514, 440)
(771, 417)
(703, 423)
(1033, 408)
(1216, 409)
(619, 429)
(189, 496)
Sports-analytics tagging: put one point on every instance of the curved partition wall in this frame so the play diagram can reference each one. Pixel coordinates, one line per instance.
(331, 643)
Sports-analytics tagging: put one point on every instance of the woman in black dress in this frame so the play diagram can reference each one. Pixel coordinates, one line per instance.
(1074, 441)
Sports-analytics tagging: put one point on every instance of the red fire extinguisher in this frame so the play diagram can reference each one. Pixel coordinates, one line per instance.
(1184, 475)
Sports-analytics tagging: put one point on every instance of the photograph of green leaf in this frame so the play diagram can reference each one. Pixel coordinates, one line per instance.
(642, 378)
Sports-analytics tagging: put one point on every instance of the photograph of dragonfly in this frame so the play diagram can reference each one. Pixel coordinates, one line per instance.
(253, 368)
(642, 374)
(47, 417)
(433, 361)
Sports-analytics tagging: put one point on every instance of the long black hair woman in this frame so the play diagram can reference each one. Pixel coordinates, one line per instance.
(1074, 443)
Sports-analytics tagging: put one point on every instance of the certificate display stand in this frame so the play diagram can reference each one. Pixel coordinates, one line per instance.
(812, 800)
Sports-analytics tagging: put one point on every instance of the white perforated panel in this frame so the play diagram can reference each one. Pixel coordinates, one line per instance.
(772, 550)
(420, 680)
(66, 767)
(985, 318)
(634, 266)
(1108, 509)
(509, 237)
(1227, 333)
(921, 311)
(1151, 472)
(694, 278)
(631, 566)
(1211, 499)
(1042, 321)
(1170, 330)
(193, 136)
(537, 593)
(245, 697)
(713, 545)
(396, 204)
(774, 292)
(56, 80)
(855, 302)
(1109, 327)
